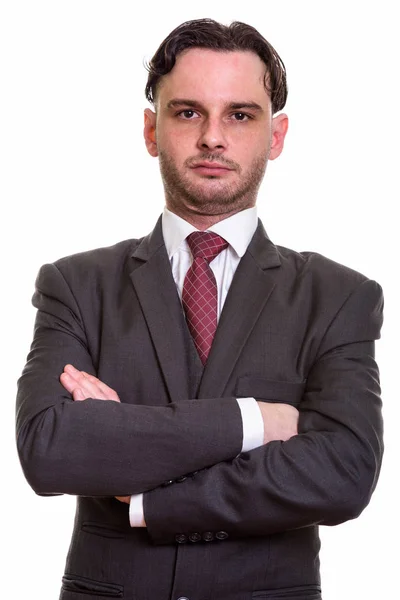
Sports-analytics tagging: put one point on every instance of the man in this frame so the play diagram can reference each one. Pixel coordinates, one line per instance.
(229, 443)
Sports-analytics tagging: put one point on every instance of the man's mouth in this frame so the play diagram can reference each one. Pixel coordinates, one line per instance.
(211, 168)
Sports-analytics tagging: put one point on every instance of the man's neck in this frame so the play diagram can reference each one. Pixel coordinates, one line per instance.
(202, 221)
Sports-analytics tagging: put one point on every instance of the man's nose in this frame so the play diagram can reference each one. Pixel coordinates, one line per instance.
(212, 135)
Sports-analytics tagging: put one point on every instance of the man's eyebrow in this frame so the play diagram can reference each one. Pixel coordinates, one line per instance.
(250, 105)
(179, 102)
(176, 102)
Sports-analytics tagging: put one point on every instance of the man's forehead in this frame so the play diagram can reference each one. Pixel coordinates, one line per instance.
(193, 59)
(203, 70)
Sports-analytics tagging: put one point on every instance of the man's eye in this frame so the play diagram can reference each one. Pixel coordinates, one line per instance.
(239, 116)
(187, 114)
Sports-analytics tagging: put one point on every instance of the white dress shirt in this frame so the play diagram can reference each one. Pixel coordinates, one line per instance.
(237, 230)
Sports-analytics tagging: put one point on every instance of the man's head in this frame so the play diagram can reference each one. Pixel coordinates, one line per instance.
(215, 90)
(206, 33)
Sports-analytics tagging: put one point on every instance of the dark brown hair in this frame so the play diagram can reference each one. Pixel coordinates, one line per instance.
(207, 33)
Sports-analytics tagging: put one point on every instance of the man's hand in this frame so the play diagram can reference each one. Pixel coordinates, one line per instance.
(81, 385)
(126, 499)
(280, 421)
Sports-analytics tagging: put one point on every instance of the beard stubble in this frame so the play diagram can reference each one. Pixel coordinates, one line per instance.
(182, 193)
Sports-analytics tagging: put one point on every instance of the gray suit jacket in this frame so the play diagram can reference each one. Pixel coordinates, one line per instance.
(295, 328)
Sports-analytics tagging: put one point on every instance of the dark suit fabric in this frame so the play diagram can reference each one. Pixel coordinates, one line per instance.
(295, 328)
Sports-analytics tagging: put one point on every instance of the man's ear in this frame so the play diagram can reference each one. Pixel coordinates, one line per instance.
(149, 131)
(279, 128)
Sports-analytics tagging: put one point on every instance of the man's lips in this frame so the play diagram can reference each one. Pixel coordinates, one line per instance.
(211, 168)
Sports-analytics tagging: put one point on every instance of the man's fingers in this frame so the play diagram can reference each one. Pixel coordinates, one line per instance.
(102, 386)
(82, 385)
(70, 385)
(107, 392)
(78, 380)
(68, 382)
(77, 394)
(70, 369)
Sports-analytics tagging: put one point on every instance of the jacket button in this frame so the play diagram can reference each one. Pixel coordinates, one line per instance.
(183, 598)
(221, 535)
(208, 536)
(180, 479)
(180, 538)
(167, 483)
(194, 537)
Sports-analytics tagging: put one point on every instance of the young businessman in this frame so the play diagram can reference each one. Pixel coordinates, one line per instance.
(211, 398)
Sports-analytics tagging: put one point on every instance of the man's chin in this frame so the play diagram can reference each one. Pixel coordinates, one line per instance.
(217, 192)
(217, 204)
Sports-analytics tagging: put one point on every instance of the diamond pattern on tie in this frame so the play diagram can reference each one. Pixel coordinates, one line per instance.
(199, 295)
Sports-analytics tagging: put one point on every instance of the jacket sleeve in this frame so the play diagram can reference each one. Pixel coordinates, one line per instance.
(104, 448)
(324, 475)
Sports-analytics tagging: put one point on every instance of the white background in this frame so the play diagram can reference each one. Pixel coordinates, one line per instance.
(75, 175)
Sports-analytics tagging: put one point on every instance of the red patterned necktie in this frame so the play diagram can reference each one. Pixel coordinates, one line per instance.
(199, 295)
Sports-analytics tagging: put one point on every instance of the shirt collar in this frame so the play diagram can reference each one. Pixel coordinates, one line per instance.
(237, 230)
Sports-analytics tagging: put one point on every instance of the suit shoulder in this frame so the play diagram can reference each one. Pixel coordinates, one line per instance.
(98, 259)
(317, 265)
(328, 278)
(86, 268)
(337, 291)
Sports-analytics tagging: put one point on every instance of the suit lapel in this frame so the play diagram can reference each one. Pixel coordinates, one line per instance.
(254, 280)
(156, 290)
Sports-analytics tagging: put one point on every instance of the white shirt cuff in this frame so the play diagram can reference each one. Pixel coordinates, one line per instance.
(253, 424)
(136, 512)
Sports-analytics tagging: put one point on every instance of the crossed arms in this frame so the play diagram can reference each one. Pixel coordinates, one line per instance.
(280, 420)
(325, 474)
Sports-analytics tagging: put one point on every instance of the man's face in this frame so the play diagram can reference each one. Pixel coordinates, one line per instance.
(213, 131)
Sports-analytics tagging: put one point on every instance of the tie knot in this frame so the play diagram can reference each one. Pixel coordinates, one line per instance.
(206, 244)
